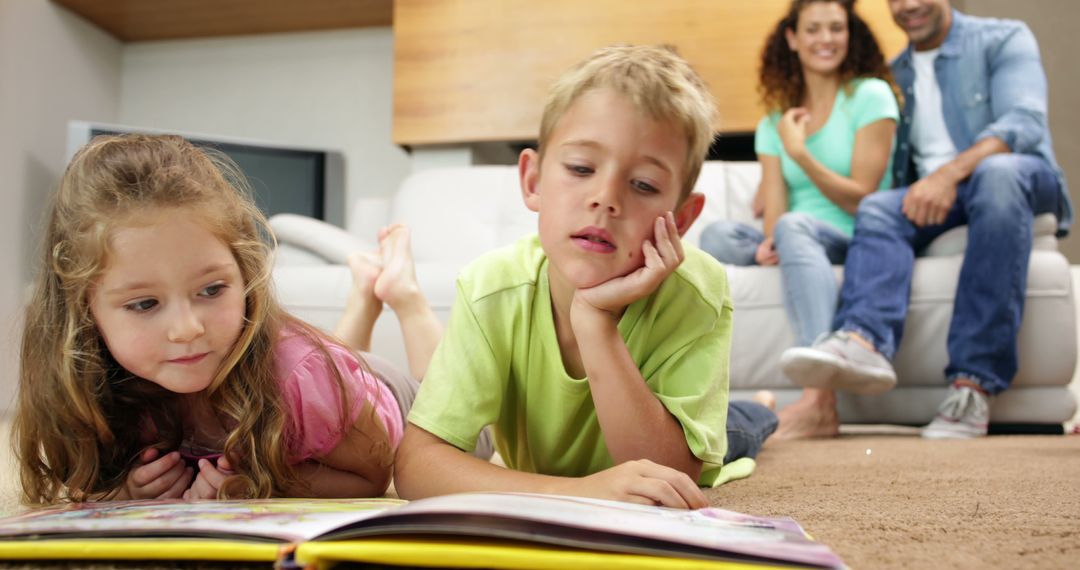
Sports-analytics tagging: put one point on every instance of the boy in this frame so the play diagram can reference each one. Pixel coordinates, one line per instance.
(599, 348)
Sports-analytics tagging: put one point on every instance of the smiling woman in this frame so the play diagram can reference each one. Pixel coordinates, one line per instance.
(825, 145)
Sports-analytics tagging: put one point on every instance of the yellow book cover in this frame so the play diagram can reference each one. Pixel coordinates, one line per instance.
(496, 530)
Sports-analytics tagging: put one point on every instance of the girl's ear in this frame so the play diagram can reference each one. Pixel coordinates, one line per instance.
(529, 176)
(789, 34)
(689, 211)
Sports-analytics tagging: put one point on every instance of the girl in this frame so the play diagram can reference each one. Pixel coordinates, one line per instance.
(156, 361)
(824, 146)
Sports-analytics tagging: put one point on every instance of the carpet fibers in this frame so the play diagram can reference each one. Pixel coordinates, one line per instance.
(903, 502)
(892, 501)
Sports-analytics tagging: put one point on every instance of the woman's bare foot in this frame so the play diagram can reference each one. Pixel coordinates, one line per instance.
(814, 415)
(765, 398)
(396, 285)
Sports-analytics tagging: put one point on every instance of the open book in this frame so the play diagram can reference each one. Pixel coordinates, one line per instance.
(508, 530)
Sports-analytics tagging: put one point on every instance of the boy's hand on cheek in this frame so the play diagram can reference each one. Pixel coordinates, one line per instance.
(158, 476)
(661, 259)
(642, 482)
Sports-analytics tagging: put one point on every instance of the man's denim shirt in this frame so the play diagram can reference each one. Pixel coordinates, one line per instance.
(992, 84)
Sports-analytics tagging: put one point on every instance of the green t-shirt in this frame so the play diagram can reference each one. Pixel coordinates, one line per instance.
(500, 364)
(870, 100)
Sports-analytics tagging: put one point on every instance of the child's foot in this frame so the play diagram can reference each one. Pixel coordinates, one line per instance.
(396, 284)
(362, 307)
(814, 415)
(365, 268)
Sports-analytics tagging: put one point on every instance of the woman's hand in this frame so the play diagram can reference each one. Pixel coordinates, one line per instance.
(766, 253)
(792, 129)
(164, 477)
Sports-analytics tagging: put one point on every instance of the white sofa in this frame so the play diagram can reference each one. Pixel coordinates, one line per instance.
(456, 214)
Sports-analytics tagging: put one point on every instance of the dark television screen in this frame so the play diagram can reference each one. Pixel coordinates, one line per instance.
(283, 181)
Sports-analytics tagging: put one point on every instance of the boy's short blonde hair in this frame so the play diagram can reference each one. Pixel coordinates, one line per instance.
(657, 80)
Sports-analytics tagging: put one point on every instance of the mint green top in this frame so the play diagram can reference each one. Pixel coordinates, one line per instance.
(833, 144)
(500, 364)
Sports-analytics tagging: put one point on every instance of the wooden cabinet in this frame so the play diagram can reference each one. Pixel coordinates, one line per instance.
(478, 70)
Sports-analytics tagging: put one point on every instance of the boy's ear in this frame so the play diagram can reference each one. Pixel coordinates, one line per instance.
(529, 176)
(689, 211)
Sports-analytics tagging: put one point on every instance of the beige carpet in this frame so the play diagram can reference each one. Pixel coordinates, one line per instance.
(901, 502)
(889, 501)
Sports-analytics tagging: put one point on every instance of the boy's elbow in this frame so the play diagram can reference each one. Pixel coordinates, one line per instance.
(409, 464)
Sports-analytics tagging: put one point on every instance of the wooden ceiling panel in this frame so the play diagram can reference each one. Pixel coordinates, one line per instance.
(143, 20)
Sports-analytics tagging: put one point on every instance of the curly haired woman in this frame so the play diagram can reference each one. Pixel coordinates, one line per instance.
(825, 145)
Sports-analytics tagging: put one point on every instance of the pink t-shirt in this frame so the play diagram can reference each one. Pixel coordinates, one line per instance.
(309, 389)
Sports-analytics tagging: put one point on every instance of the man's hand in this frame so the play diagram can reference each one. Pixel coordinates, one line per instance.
(642, 482)
(766, 253)
(210, 478)
(661, 260)
(164, 477)
(929, 200)
(792, 130)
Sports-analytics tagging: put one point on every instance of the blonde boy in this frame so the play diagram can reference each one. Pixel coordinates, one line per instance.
(599, 348)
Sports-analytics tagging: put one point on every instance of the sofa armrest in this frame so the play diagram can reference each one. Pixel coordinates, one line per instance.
(324, 240)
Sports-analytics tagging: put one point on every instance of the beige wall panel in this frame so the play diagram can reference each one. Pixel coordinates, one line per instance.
(1054, 25)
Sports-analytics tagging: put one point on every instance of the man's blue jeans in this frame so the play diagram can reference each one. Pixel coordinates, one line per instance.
(997, 203)
(807, 247)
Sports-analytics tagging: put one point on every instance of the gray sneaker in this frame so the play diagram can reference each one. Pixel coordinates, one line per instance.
(838, 362)
(964, 414)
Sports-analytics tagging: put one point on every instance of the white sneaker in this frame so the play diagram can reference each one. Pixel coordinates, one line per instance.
(964, 414)
(838, 362)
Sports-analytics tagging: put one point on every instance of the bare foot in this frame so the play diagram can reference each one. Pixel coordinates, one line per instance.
(396, 284)
(814, 415)
(765, 398)
(362, 307)
(365, 268)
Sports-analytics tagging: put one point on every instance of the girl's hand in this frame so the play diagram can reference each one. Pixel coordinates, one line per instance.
(792, 130)
(210, 478)
(766, 253)
(661, 260)
(642, 482)
(164, 477)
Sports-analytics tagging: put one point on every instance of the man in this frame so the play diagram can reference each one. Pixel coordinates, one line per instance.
(974, 146)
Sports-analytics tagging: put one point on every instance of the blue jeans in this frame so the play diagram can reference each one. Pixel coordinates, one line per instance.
(807, 247)
(749, 424)
(998, 203)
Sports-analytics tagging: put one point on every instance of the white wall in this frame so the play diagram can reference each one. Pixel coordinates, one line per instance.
(323, 89)
(54, 67)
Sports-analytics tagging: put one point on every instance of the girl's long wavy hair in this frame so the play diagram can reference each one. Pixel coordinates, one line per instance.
(781, 84)
(81, 419)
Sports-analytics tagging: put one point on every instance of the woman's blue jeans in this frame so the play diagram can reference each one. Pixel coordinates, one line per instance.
(997, 203)
(807, 247)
